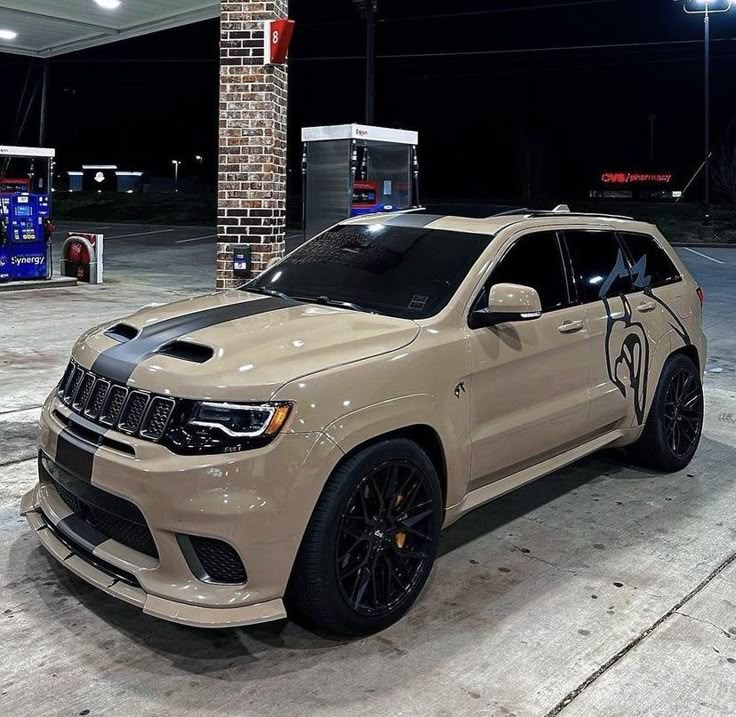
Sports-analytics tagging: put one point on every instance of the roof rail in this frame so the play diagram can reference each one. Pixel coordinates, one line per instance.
(555, 212)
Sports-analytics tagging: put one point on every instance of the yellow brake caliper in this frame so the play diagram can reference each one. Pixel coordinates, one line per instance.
(399, 538)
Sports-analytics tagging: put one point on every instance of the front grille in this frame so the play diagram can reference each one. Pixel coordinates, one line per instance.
(113, 405)
(220, 561)
(158, 416)
(84, 392)
(72, 385)
(94, 406)
(132, 414)
(133, 535)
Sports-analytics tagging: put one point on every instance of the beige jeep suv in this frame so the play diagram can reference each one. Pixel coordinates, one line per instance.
(299, 444)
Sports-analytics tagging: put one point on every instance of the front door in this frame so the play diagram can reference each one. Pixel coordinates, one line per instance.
(529, 393)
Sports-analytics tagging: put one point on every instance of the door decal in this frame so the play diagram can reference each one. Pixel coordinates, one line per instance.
(627, 350)
(627, 355)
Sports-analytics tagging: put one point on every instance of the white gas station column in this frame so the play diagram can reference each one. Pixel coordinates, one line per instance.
(252, 162)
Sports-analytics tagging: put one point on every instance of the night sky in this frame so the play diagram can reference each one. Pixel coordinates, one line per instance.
(570, 113)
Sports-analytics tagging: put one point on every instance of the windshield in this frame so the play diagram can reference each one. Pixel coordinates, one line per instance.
(399, 271)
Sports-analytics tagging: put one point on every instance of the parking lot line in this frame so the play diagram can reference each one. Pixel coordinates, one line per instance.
(705, 256)
(185, 241)
(140, 234)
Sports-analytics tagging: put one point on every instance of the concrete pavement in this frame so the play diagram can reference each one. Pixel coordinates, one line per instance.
(599, 590)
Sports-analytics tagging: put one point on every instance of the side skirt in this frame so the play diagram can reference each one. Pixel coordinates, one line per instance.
(494, 490)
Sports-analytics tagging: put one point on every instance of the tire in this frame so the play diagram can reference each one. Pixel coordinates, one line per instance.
(371, 542)
(677, 410)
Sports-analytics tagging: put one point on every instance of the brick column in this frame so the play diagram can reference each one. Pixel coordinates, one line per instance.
(252, 168)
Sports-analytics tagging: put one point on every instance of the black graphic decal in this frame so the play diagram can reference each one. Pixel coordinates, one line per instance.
(620, 271)
(639, 273)
(627, 355)
(678, 326)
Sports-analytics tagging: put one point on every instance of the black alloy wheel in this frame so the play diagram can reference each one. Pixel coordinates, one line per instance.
(385, 538)
(675, 423)
(371, 542)
(683, 413)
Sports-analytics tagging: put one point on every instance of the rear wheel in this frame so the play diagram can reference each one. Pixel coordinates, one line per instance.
(675, 423)
(372, 541)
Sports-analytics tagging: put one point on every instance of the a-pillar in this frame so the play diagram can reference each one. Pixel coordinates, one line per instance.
(252, 165)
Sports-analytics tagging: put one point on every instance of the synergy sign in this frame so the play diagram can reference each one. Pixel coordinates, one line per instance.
(632, 178)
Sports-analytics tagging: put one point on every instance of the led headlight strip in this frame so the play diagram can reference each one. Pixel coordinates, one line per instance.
(274, 418)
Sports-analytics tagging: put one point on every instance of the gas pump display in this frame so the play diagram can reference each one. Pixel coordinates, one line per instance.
(9, 185)
(365, 197)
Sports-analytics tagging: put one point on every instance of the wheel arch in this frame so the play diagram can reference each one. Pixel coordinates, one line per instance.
(424, 436)
(691, 351)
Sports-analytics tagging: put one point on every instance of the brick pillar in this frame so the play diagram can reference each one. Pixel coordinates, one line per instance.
(252, 169)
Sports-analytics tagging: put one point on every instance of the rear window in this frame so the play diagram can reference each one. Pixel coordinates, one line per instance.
(651, 266)
(600, 269)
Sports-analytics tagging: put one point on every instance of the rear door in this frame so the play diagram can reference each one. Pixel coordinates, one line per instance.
(529, 392)
(625, 325)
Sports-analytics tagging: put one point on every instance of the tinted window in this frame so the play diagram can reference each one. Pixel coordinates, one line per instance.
(651, 265)
(599, 266)
(535, 260)
(409, 272)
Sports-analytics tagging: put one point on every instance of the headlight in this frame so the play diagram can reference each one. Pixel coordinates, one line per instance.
(207, 427)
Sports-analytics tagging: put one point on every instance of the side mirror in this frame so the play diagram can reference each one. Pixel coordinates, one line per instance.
(508, 302)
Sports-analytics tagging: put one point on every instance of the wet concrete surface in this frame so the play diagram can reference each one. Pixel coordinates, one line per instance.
(599, 590)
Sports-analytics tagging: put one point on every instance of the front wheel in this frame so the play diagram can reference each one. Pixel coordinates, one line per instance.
(675, 423)
(372, 541)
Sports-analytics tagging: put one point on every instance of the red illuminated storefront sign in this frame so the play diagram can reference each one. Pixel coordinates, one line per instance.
(629, 178)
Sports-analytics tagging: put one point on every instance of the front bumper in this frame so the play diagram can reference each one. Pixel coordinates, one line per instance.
(107, 581)
(258, 502)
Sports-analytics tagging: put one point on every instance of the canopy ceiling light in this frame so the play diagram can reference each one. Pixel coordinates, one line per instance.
(47, 28)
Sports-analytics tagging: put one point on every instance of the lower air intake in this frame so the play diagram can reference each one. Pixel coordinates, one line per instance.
(218, 561)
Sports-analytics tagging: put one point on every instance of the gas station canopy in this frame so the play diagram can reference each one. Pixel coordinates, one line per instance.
(45, 28)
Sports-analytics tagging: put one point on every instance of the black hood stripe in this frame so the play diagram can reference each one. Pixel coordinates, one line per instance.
(119, 362)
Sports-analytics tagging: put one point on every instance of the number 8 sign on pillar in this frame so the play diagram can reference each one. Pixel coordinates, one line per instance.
(278, 36)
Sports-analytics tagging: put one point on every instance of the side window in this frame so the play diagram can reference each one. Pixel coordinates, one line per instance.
(535, 261)
(651, 265)
(599, 266)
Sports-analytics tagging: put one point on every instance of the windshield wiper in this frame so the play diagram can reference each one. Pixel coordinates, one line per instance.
(327, 301)
(267, 292)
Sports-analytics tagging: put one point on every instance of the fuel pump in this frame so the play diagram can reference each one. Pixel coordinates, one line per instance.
(26, 229)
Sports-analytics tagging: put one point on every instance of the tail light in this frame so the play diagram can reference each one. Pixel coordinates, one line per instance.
(701, 296)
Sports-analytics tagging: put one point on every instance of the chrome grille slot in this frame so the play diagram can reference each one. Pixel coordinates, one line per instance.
(84, 392)
(99, 394)
(73, 384)
(157, 417)
(113, 405)
(65, 379)
(132, 413)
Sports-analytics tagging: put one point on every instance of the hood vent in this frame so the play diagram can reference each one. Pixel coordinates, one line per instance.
(122, 333)
(186, 351)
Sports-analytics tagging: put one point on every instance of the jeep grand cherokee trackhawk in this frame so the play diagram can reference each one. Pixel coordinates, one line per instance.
(299, 444)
